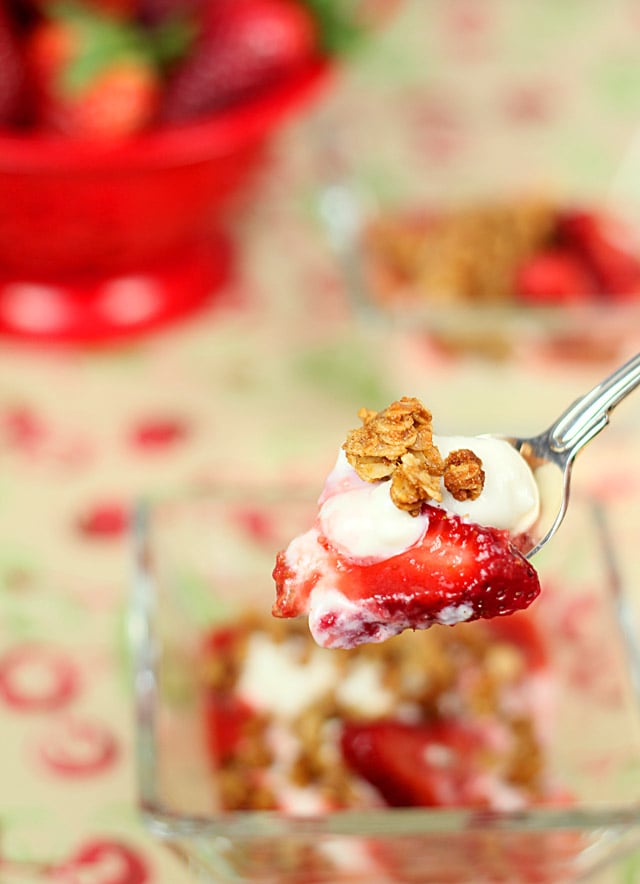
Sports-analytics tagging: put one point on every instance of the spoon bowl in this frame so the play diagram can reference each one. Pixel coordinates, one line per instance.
(551, 454)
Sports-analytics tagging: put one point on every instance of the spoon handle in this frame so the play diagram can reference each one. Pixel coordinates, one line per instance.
(588, 415)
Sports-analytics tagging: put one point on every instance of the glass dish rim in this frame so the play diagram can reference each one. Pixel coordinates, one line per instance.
(168, 824)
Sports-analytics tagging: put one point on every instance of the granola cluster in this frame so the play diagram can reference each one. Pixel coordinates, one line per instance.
(397, 444)
(466, 256)
(467, 673)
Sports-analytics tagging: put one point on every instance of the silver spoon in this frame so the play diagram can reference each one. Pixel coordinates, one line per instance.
(551, 454)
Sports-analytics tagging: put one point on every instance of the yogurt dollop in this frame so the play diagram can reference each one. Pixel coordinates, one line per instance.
(365, 524)
(510, 498)
(361, 521)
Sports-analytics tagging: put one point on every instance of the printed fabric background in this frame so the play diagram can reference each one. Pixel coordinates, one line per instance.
(455, 98)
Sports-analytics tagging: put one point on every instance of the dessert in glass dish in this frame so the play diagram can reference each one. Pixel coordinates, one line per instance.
(495, 275)
(413, 529)
(474, 753)
(524, 252)
(460, 718)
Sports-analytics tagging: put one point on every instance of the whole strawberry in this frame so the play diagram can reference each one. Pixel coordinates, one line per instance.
(92, 74)
(243, 46)
(12, 79)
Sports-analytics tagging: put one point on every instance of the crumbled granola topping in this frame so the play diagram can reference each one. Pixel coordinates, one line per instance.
(397, 444)
(463, 474)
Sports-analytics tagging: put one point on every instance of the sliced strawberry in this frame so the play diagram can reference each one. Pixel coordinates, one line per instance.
(458, 571)
(424, 765)
(554, 276)
(226, 715)
(455, 562)
(243, 47)
(606, 247)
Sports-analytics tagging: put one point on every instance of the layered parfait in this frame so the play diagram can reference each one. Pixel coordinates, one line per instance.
(365, 708)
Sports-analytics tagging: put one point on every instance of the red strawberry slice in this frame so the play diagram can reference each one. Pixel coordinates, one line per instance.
(225, 713)
(243, 47)
(457, 571)
(554, 276)
(606, 248)
(225, 718)
(425, 765)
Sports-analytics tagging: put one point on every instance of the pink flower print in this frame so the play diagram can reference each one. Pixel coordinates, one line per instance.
(37, 678)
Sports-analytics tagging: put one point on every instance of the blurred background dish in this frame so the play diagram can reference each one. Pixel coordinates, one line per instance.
(497, 211)
(499, 278)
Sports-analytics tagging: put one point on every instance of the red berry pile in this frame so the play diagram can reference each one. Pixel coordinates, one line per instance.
(117, 67)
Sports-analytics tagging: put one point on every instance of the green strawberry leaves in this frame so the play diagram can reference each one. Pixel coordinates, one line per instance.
(100, 40)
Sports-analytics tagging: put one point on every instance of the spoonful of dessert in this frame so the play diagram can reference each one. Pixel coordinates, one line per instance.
(551, 454)
(415, 529)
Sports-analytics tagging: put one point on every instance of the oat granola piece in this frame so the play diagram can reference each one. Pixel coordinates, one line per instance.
(463, 474)
(397, 444)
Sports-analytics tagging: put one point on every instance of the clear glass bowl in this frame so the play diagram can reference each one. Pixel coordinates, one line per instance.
(601, 330)
(201, 561)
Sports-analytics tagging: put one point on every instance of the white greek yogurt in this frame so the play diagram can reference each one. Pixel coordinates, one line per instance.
(364, 523)
(361, 521)
(510, 498)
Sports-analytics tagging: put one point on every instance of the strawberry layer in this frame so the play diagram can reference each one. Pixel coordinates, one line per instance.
(458, 571)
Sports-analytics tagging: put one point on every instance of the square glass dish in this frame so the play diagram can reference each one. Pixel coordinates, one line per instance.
(204, 562)
(382, 248)
(457, 114)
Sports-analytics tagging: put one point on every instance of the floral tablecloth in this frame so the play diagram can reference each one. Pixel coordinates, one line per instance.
(268, 378)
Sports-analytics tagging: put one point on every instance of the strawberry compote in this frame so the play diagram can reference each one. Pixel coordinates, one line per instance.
(412, 530)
